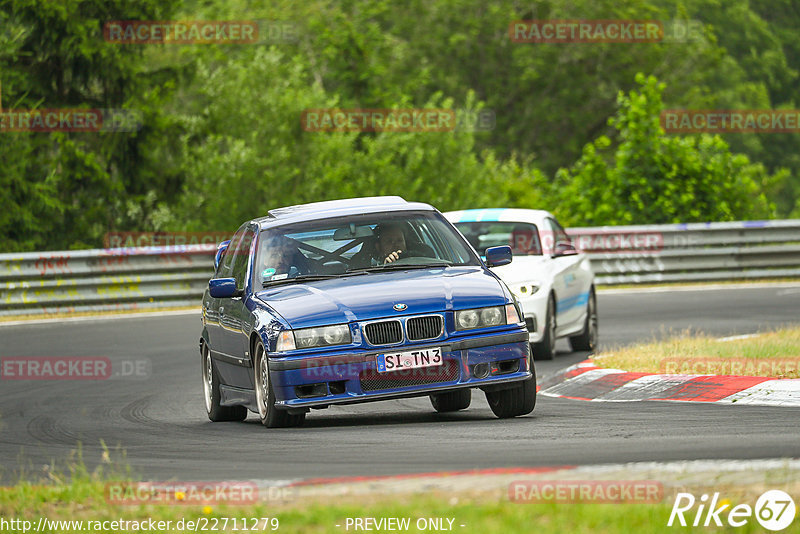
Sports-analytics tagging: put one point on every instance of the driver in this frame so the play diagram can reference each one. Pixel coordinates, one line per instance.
(389, 244)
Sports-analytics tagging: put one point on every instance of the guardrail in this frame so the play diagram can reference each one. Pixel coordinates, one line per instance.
(161, 277)
(692, 252)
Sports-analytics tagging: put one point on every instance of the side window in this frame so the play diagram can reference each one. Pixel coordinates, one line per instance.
(559, 235)
(226, 265)
(241, 259)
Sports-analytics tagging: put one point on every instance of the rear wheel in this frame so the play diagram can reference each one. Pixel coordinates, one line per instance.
(452, 401)
(587, 340)
(271, 417)
(546, 349)
(516, 401)
(215, 411)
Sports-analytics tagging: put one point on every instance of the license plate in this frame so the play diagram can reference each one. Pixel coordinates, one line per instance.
(412, 359)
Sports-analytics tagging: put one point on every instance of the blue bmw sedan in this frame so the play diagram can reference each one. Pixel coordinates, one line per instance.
(359, 300)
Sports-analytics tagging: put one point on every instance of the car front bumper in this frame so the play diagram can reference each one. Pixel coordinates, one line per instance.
(534, 308)
(348, 378)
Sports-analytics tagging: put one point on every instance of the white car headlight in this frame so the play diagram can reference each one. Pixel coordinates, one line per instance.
(306, 338)
(526, 290)
(480, 318)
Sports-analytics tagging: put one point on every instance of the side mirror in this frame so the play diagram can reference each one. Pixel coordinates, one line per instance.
(497, 256)
(223, 288)
(564, 248)
(221, 248)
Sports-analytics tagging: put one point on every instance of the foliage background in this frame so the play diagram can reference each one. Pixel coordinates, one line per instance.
(577, 124)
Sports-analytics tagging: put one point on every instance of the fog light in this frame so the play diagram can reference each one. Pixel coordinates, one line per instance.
(481, 370)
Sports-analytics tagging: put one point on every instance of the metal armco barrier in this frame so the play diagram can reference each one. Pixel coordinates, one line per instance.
(158, 277)
(105, 279)
(692, 252)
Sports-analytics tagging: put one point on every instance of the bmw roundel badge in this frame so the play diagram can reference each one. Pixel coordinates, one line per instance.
(400, 307)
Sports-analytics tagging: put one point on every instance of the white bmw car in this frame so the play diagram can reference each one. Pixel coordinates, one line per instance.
(553, 281)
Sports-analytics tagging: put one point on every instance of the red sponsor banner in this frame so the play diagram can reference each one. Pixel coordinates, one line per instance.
(70, 120)
(379, 120)
(181, 492)
(586, 491)
(731, 366)
(586, 31)
(162, 239)
(181, 31)
(55, 368)
(730, 121)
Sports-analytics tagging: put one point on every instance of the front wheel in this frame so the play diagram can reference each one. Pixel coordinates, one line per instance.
(587, 340)
(271, 417)
(516, 401)
(215, 411)
(452, 401)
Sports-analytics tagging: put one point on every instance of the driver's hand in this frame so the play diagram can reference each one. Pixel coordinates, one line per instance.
(394, 256)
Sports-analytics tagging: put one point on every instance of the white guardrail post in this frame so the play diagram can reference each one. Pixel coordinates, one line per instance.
(156, 277)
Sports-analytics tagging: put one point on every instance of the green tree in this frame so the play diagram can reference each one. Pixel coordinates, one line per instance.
(654, 178)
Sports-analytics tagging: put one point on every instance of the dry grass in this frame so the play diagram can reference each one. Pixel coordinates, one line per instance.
(774, 354)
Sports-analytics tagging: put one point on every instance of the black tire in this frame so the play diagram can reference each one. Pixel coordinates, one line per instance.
(587, 340)
(452, 401)
(270, 416)
(546, 348)
(216, 413)
(516, 401)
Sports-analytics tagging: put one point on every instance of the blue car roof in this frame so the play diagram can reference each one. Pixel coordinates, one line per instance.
(338, 208)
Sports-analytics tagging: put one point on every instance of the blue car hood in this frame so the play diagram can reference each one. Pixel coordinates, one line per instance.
(372, 296)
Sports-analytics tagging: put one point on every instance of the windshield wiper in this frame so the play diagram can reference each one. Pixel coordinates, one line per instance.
(307, 278)
(400, 267)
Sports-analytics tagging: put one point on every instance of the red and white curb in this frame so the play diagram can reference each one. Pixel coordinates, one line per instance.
(586, 381)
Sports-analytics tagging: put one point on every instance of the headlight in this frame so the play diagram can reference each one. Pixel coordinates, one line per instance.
(321, 336)
(480, 318)
(527, 290)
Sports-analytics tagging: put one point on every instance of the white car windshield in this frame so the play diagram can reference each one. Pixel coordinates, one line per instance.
(523, 238)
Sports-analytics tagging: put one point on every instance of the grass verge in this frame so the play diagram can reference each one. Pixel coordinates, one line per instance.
(481, 505)
(84, 501)
(773, 354)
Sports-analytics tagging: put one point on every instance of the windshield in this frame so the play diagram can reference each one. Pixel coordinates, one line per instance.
(523, 238)
(359, 243)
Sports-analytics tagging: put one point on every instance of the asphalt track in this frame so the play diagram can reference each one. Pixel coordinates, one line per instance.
(158, 419)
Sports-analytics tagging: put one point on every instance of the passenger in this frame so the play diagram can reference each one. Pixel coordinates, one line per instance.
(281, 259)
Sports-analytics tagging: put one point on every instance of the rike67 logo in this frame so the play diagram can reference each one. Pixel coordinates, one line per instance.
(774, 510)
